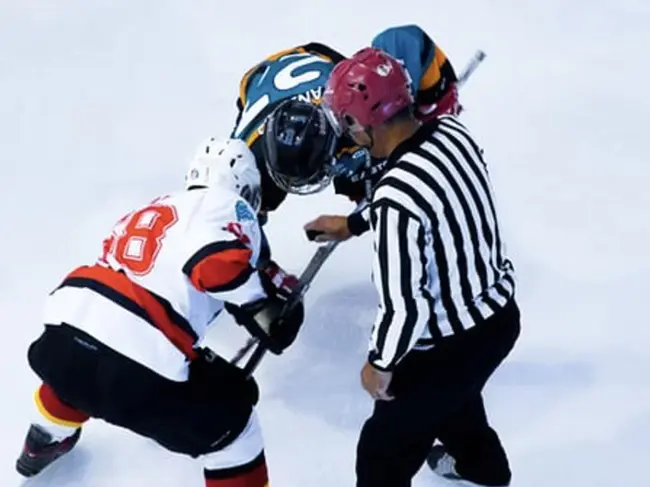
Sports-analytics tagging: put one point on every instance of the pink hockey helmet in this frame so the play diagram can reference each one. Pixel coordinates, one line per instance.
(367, 90)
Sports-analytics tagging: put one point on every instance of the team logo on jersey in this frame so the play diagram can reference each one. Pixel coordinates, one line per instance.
(243, 212)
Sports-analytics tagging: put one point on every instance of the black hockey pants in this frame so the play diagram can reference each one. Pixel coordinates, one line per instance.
(198, 416)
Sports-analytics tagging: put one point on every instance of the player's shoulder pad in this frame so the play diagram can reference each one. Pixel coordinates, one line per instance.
(410, 44)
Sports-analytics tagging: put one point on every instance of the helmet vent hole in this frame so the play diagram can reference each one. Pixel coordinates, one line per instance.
(232, 162)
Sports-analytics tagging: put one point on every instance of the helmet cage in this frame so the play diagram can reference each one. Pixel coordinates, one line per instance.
(297, 183)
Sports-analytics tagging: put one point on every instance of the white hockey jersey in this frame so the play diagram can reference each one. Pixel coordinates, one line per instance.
(163, 276)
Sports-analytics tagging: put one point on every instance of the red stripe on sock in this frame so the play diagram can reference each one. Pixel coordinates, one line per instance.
(57, 409)
(257, 477)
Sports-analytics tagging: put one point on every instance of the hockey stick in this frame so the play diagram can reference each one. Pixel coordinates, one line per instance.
(241, 353)
(471, 66)
(323, 252)
(304, 282)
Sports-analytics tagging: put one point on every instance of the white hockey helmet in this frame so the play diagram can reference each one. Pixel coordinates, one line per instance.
(228, 163)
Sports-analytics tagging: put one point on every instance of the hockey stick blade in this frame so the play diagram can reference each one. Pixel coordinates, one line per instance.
(474, 62)
(241, 353)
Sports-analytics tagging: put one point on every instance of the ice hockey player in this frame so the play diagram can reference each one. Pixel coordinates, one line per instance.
(122, 336)
(447, 313)
(280, 119)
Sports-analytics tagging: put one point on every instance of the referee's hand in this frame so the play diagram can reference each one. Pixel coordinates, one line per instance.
(328, 227)
(376, 382)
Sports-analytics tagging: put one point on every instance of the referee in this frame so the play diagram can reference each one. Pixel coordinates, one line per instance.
(447, 316)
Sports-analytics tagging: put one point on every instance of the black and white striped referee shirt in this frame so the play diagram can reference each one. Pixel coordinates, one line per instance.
(440, 265)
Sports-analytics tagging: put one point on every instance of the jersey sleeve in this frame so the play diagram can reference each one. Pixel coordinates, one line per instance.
(225, 246)
(429, 68)
(399, 276)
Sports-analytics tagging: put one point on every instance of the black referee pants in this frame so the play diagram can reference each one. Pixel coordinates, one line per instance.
(438, 396)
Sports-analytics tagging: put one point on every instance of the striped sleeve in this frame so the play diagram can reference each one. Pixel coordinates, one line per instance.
(400, 277)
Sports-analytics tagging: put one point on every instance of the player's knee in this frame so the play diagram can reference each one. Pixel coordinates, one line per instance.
(213, 371)
(226, 412)
(240, 463)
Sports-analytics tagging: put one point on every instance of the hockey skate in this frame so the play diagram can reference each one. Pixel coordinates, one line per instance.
(40, 450)
(444, 465)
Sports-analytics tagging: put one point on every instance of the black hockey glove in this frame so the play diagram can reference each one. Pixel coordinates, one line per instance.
(268, 321)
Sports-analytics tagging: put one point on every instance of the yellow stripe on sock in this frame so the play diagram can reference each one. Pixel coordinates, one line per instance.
(49, 417)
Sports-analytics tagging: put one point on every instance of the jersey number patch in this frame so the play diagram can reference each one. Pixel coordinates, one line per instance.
(137, 238)
(290, 75)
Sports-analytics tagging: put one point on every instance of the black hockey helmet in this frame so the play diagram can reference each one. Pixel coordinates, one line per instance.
(299, 147)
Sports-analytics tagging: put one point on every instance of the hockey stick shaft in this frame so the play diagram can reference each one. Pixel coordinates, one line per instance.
(304, 282)
(471, 66)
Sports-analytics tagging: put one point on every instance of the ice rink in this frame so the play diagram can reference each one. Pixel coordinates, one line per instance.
(103, 102)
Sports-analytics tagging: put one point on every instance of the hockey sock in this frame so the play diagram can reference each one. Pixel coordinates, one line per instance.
(56, 417)
(252, 474)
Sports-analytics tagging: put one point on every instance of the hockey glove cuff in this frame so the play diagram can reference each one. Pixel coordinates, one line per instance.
(284, 282)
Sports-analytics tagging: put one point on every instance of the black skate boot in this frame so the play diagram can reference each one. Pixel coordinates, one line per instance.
(40, 450)
(444, 465)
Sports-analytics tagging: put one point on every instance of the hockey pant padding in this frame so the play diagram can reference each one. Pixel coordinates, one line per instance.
(198, 416)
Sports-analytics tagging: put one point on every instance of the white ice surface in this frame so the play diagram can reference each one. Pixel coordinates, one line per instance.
(102, 102)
